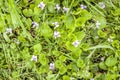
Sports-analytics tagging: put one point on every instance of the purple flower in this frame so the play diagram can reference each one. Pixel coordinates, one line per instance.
(34, 58)
(83, 6)
(52, 66)
(65, 9)
(56, 34)
(57, 7)
(35, 24)
(76, 43)
(102, 5)
(41, 5)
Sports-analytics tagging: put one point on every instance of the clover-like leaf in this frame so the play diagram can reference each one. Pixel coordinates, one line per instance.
(111, 61)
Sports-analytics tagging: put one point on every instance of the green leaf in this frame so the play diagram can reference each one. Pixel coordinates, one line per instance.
(76, 53)
(80, 63)
(111, 61)
(15, 74)
(102, 34)
(46, 31)
(80, 35)
(86, 15)
(65, 77)
(37, 48)
(115, 44)
(100, 77)
(58, 64)
(51, 7)
(21, 38)
(43, 60)
(116, 12)
(56, 53)
(28, 12)
(62, 58)
(51, 77)
(43, 69)
(37, 11)
(102, 66)
(70, 22)
(117, 53)
(84, 46)
(63, 70)
(25, 54)
(101, 46)
(6, 37)
(80, 22)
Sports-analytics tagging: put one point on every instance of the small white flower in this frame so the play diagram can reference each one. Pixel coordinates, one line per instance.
(41, 5)
(76, 43)
(83, 6)
(9, 30)
(57, 7)
(56, 24)
(102, 58)
(110, 40)
(56, 34)
(34, 58)
(102, 5)
(35, 24)
(65, 9)
(52, 66)
(71, 78)
(97, 24)
(92, 79)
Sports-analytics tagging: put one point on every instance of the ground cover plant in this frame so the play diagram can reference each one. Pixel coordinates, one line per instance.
(59, 39)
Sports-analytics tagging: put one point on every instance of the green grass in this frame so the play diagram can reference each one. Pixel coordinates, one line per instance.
(83, 44)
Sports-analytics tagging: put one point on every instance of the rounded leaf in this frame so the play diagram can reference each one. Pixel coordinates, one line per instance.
(111, 61)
